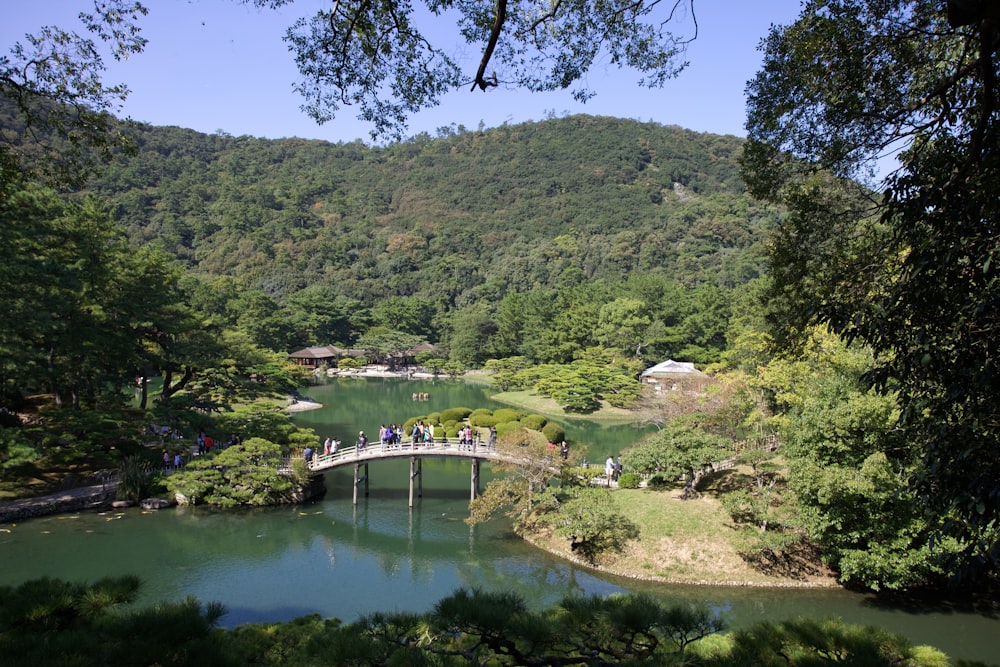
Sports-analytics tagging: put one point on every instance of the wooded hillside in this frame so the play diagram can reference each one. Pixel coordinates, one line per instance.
(460, 218)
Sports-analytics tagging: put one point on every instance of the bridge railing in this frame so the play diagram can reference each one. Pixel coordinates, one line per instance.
(379, 450)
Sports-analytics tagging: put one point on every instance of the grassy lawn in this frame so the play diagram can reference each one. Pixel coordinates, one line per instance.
(682, 541)
(532, 403)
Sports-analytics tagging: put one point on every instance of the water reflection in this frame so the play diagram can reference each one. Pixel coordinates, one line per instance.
(340, 560)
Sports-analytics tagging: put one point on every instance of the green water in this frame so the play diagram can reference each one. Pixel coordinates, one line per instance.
(353, 404)
(339, 560)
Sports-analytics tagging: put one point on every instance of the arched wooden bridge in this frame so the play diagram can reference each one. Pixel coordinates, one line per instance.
(360, 458)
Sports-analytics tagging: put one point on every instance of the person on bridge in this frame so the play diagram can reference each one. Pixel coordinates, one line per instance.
(362, 440)
(307, 453)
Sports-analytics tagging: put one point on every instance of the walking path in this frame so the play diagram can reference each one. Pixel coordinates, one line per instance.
(376, 451)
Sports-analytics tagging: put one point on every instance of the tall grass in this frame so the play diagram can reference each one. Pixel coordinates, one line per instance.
(133, 479)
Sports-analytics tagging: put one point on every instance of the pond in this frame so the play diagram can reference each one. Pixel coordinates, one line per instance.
(335, 559)
(364, 403)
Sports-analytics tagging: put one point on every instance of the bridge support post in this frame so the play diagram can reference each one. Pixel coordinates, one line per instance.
(416, 471)
(474, 482)
(358, 479)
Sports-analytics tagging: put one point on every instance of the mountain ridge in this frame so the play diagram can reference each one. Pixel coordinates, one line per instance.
(459, 217)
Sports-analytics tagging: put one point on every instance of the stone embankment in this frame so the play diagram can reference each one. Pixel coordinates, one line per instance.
(71, 500)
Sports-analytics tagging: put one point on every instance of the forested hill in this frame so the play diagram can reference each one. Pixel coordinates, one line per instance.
(459, 218)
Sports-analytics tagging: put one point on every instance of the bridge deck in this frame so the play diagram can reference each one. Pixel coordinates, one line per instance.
(377, 452)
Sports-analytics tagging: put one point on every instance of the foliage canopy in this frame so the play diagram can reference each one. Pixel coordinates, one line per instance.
(910, 268)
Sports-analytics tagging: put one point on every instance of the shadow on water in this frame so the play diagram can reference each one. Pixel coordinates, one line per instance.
(984, 603)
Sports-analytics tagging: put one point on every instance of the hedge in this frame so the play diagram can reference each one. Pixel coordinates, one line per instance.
(629, 480)
(554, 432)
(508, 427)
(535, 422)
(507, 415)
(455, 414)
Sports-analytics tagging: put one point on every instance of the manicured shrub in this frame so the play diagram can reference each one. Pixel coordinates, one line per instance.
(434, 418)
(507, 415)
(507, 428)
(482, 417)
(483, 421)
(629, 480)
(534, 422)
(553, 432)
(455, 414)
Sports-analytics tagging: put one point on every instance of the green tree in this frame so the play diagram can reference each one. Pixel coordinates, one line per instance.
(412, 315)
(379, 58)
(922, 295)
(388, 347)
(527, 466)
(809, 642)
(316, 315)
(680, 449)
(85, 314)
(848, 468)
(54, 622)
(622, 324)
(63, 127)
(468, 332)
(262, 319)
(245, 474)
(590, 519)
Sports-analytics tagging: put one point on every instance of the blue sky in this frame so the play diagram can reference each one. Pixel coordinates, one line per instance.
(215, 65)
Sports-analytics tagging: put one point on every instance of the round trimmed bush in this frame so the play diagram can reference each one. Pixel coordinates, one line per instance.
(629, 480)
(482, 417)
(534, 422)
(507, 415)
(507, 428)
(455, 414)
(553, 432)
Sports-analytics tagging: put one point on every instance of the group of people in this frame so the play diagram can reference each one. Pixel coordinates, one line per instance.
(469, 438)
(176, 462)
(563, 449)
(420, 433)
(205, 444)
(329, 447)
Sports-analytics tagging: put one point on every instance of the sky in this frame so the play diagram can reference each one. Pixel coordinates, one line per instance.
(219, 65)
